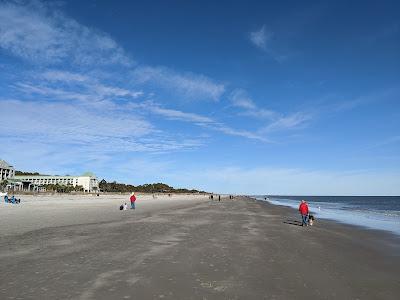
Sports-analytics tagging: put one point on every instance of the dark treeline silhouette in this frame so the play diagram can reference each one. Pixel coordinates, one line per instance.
(114, 187)
(18, 173)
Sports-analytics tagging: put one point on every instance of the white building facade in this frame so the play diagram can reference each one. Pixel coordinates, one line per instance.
(88, 181)
(6, 170)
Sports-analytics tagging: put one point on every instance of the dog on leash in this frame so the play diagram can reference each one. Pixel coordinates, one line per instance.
(311, 220)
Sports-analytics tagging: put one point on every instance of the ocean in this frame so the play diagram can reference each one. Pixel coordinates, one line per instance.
(375, 212)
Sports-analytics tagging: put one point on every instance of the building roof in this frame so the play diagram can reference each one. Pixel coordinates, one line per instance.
(44, 176)
(5, 165)
(54, 176)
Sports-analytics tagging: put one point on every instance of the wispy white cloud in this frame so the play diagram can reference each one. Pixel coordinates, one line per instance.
(240, 98)
(57, 44)
(65, 76)
(43, 35)
(90, 128)
(69, 122)
(95, 92)
(292, 121)
(91, 84)
(187, 84)
(390, 141)
(54, 93)
(203, 121)
(261, 37)
(276, 121)
(239, 132)
(34, 31)
(338, 104)
(173, 114)
(62, 85)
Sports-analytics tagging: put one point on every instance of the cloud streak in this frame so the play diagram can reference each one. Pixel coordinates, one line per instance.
(202, 121)
(277, 122)
(68, 125)
(42, 35)
(186, 84)
(240, 99)
(293, 121)
(33, 31)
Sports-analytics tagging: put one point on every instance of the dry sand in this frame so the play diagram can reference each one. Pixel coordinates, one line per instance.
(43, 211)
(187, 248)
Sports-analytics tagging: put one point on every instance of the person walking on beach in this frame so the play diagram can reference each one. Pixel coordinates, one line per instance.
(303, 209)
(133, 199)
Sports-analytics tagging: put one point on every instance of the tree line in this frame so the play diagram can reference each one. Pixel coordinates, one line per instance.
(111, 187)
(59, 188)
(114, 187)
(20, 173)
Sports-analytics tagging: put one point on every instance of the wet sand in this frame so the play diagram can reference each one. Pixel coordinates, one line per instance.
(190, 249)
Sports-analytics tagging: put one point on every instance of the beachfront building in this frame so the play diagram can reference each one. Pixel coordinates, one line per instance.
(6, 170)
(87, 181)
(16, 185)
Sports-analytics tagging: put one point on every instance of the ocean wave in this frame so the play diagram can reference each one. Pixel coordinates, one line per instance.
(355, 214)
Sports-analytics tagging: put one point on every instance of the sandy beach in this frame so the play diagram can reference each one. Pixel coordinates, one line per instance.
(187, 247)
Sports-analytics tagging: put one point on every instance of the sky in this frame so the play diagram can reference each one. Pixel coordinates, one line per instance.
(245, 97)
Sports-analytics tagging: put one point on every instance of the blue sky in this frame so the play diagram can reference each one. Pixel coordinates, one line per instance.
(237, 97)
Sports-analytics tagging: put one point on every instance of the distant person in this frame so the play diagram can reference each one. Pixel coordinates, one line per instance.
(219, 197)
(303, 209)
(133, 199)
(13, 199)
(6, 199)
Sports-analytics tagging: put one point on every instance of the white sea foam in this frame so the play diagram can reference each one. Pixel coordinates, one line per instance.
(347, 213)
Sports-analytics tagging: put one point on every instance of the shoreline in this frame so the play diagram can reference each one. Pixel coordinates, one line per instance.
(377, 236)
(194, 249)
(368, 220)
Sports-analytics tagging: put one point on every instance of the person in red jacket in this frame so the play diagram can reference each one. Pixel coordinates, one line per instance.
(303, 209)
(133, 199)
